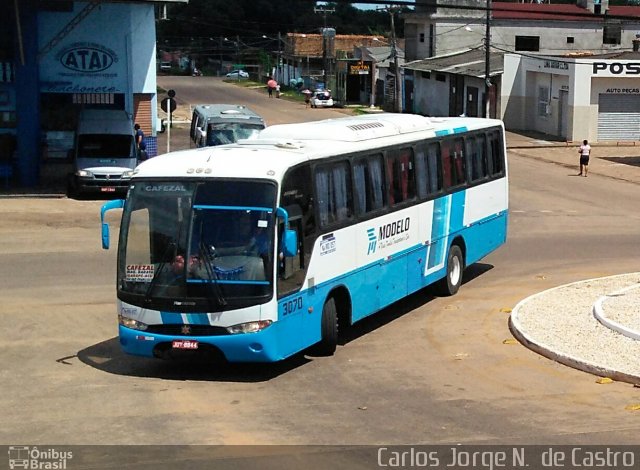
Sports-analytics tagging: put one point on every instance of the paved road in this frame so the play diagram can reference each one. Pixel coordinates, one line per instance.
(427, 370)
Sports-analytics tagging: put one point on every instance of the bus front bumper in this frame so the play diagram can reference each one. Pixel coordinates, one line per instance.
(247, 347)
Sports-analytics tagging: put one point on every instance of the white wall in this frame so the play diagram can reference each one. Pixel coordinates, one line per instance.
(454, 34)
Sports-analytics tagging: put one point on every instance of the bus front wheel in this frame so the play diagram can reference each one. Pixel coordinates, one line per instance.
(450, 284)
(329, 329)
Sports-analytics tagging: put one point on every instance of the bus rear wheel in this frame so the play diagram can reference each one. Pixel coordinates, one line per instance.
(329, 329)
(450, 284)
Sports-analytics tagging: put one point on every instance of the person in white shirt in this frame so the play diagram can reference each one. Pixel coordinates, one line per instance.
(584, 152)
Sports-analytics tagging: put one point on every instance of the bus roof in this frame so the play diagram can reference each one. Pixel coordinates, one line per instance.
(226, 111)
(279, 147)
(370, 126)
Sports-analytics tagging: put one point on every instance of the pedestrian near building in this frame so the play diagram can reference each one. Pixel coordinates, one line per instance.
(140, 142)
(271, 86)
(584, 152)
(307, 97)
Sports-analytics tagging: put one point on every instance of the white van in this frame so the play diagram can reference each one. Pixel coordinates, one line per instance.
(219, 124)
(104, 154)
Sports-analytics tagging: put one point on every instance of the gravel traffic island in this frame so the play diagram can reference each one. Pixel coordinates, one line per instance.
(620, 311)
(559, 323)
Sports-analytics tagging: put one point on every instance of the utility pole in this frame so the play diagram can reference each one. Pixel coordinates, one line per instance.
(221, 72)
(278, 65)
(238, 54)
(397, 88)
(324, 10)
(487, 61)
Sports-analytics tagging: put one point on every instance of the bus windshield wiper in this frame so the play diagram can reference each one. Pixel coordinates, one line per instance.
(212, 282)
(156, 275)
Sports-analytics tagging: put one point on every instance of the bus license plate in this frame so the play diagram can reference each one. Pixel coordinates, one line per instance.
(184, 344)
(108, 189)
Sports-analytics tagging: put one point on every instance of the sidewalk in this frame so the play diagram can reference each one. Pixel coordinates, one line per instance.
(618, 160)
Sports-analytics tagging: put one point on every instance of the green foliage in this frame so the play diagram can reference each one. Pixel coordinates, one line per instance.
(190, 26)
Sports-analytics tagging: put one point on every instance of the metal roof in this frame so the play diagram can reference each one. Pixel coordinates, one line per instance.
(470, 62)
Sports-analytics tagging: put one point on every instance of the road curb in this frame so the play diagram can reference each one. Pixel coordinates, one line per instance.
(545, 350)
(598, 312)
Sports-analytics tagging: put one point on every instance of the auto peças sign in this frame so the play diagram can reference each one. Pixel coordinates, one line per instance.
(87, 57)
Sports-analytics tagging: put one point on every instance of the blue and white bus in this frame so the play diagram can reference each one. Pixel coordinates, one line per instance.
(257, 250)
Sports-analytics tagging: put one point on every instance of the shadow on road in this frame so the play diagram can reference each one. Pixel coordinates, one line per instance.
(404, 306)
(631, 160)
(107, 356)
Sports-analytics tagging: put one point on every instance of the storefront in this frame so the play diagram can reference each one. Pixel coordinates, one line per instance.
(574, 98)
(76, 55)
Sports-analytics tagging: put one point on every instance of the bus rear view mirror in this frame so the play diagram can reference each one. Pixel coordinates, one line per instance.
(289, 237)
(107, 206)
(290, 243)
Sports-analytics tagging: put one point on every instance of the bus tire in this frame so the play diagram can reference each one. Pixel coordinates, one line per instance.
(450, 284)
(329, 329)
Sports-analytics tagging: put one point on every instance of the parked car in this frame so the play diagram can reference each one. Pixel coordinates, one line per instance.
(165, 66)
(238, 74)
(321, 99)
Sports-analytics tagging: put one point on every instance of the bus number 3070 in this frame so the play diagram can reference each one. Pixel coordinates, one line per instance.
(291, 306)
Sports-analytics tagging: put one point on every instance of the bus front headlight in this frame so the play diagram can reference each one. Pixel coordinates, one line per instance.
(84, 174)
(249, 327)
(127, 174)
(131, 323)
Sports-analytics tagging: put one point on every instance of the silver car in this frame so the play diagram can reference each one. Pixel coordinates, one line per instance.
(238, 74)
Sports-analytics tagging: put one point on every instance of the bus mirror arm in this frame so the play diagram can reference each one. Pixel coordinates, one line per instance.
(289, 237)
(114, 204)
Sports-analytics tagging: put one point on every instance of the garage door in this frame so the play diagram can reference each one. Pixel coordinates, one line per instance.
(619, 117)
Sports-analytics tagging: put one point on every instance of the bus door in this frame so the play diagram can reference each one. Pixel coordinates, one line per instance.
(294, 303)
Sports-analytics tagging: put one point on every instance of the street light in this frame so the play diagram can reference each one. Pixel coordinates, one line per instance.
(279, 76)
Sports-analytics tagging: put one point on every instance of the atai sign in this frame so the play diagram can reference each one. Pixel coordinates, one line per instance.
(87, 57)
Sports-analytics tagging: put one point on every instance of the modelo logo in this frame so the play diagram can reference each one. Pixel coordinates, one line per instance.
(89, 58)
(617, 68)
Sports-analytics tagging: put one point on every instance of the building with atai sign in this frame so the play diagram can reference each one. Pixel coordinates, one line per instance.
(58, 58)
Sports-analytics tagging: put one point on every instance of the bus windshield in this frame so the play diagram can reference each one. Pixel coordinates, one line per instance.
(230, 132)
(207, 245)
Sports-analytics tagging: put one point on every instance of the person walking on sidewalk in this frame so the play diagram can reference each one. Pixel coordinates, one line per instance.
(584, 152)
(271, 86)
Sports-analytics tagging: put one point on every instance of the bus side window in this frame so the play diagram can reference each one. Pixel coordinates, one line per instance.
(447, 163)
(459, 176)
(496, 151)
(400, 173)
(434, 162)
(333, 189)
(422, 172)
(428, 170)
(368, 176)
(476, 157)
